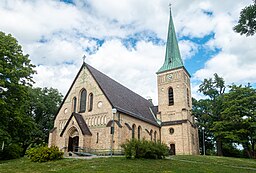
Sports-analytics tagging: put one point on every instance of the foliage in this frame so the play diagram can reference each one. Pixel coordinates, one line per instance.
(201, 109)
(44, 154)
(229, 118)
(43, 104)
(214, 88)
(247, 21)
(191, 164)
(145, 149)
(239, 117)
(12, 151)
(26, 113)
(15, 77)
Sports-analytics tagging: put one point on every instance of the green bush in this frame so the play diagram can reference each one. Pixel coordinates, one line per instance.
(44, 154)
(144, 149)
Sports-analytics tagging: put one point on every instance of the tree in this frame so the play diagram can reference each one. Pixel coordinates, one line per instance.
(239, 118)
(15, 76)
(214, 89)
(247, 20)
(201, 109)
(43, 104)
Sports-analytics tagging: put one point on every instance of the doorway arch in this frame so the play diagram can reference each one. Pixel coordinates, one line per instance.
(73, 140)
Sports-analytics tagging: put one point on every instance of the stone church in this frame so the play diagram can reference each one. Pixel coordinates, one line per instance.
(98, 114)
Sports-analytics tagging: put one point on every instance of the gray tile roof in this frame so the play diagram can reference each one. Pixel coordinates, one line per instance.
(123, 99)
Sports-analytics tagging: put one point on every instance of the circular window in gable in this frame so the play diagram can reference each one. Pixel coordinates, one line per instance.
(171, 130)
(100, 104)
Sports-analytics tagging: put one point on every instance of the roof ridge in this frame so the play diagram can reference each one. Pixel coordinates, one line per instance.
(123, 98)
(118, 83)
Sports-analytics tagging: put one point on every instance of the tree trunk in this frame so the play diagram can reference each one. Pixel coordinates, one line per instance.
(219, 147)
(24, 147)
(247, 149)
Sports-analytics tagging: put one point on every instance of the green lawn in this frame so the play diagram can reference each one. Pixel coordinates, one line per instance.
(120, 164)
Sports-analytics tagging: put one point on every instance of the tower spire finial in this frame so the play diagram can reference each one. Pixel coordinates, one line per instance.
(170, 5)
(172, 55)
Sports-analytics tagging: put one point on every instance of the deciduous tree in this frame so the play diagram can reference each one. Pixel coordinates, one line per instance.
(214, 88)
(15, 76)
(247, 21)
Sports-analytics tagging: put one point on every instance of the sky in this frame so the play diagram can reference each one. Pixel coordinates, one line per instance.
(125, 39)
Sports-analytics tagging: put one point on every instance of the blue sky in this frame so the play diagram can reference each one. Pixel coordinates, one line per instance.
(126, 40)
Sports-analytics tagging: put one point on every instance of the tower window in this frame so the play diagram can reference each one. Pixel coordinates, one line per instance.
(74, 104)
(171, 97)
(188, 97)
(90, 102)
(83, 100)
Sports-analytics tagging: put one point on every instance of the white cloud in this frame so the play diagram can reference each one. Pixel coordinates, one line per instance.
(136, 69)
(229, 67)
(65, 32)
(187, 49)
(59, 76)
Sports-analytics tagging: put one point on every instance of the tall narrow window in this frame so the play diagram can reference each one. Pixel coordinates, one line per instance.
(151, 134)
(90, 102)
(171, 97)
(188, 98)
(74, 104)
(133, 131)
(155, 136)
(97, 138)
(83, 100)
(139, 132)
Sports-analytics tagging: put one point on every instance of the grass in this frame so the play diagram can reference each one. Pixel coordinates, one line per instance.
(189, 164)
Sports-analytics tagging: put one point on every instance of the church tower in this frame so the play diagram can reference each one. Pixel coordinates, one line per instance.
(178, 129)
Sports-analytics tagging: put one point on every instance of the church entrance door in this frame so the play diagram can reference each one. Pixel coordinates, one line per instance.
(73, 143)
(172, 149)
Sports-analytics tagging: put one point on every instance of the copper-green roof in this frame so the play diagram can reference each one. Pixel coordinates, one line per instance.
(172, 55)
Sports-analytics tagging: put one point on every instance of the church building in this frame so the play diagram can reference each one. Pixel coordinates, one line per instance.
(99, 114)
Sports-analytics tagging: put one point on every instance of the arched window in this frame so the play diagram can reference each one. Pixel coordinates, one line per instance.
(133, 131)
(151, 134)
(139, 132)
(90, 102)
(188, 98)
(83, 100)
(74, 104)
(171, 97)
(155, 136)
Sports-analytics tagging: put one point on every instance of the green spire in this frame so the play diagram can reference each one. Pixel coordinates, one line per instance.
(172, 55)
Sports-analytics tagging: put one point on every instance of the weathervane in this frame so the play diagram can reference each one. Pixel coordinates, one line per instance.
(170, 5)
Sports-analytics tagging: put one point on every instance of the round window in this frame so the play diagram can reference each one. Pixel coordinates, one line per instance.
(171, 130)
(100, 104)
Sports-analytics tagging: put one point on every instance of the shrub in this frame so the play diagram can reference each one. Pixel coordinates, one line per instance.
(44, 154)
(144, 149)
